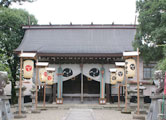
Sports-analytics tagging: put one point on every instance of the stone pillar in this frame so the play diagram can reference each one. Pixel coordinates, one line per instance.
(155, 109)
(5, 113)
(142, 111)
(22, 100)
(128, 109)
(33, 97)
(16, 113)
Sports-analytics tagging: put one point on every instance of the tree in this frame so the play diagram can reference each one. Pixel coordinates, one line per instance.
(7, 3)
(151, 30)
(11, 34)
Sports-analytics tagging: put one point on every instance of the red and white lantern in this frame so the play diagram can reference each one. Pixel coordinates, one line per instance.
(28, 68)
(43, 75)
(50, 79)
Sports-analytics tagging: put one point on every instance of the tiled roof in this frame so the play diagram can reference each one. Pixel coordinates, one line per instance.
(78, 39)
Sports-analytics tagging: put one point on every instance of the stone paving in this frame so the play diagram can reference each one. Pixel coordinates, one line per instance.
(80, 114)
(61, 114)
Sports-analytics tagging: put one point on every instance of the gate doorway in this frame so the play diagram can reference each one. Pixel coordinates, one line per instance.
(72, 90)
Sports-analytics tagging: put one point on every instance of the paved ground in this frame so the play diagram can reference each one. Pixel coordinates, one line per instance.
(61, 114)
(80, 114)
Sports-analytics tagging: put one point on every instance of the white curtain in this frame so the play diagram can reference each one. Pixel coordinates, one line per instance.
(88, 67)
(77, 70)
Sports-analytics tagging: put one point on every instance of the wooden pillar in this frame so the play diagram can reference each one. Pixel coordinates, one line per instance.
(108, 92)
(126, 94)
(20, 90)
(54, 92)
(118, 96)
(102, 99)
(82, 84)
(44, 95)
(138, 81)
(36, 97)
(112, 99)
(59, 99)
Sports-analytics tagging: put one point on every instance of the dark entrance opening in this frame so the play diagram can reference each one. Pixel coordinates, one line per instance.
(72, 90)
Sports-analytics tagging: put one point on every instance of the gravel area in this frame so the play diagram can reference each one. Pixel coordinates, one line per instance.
(59, 114)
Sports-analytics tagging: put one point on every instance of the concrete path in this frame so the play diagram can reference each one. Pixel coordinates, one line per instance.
(80, 114)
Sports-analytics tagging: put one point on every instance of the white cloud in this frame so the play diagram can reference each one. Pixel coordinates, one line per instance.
(82, 11)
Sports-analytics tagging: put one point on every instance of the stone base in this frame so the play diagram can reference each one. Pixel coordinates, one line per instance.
(140, 117)
(35, 111)
(43, 109)
(119, 109)
(126, 111)
(54, 103)
(59, 101)
(142, 111)
(102, 101)
(17, 116)
(23, 112)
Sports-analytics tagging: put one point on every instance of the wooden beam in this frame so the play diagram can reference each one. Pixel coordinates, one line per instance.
(54, 92)
(20, 90)
(108, 92)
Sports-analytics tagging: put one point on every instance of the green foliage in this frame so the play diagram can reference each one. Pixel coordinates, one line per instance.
(11, 34)
(7, 3)
(151, 30)
(161, 65)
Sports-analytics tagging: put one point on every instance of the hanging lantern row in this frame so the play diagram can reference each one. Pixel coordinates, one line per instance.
(46, 75)
(128, 68)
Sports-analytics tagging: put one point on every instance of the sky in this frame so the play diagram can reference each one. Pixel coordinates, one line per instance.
(81, 11)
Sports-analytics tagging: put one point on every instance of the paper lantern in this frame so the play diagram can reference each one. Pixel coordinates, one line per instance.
(42, 75)
(113, 78)
(28, 68)
(130, 67)
(120, 74)
(50, 79)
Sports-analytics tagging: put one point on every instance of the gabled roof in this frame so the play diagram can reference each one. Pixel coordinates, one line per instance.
(78, 39)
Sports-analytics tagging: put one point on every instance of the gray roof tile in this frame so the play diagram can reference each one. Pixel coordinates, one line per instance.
(78, 40)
